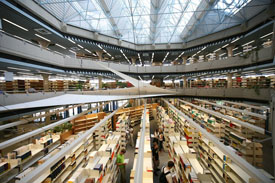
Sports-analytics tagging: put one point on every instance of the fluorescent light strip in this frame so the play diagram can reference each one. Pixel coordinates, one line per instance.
(222, 54)
(225, 45)
(248, 43)
(166, 77)
(15, 68)
(42, 37)
(217, 50)
(60, 46)
(71, 41)
(58, 52)
(72, 51)
(15, 25)
(152, 59)
(237, 54)
(266, 35)
(153, 76)
(140, 78)
(87, 51)
(165, 57)
(235, 40)
(80, 46)
(235, 48)
(99, 46)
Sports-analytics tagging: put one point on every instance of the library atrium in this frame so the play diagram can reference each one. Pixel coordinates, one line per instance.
(137, 91)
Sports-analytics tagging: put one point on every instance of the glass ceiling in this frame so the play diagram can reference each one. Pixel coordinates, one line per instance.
(137, 21)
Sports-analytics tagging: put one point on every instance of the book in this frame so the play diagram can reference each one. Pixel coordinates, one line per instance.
(126, 161)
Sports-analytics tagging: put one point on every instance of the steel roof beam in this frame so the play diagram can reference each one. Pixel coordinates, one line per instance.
(107, 12)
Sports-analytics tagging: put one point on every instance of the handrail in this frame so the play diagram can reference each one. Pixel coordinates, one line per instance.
(45, 128)
(38, 174)
(23, 121)
(139, 166)
(251, 170)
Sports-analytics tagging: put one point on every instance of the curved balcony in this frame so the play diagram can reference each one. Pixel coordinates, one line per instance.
(20, 48)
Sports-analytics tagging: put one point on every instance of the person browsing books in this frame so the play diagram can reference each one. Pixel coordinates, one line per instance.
(122, 165)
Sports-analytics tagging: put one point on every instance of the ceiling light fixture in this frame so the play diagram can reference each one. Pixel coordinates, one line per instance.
(217, 50)
(125, 56)
(25, 73)
(71, 41)
(153, 76)
(140, 78)
(248, 43)
(266, 35)
(225, 45)
(15, 68)
(139, 58)
(88, 51)
(235, 48)
(152, 59)
(99, 46)
(42, 37)
(235, 40)
(15, 24)
(166, 77)
(80, 46)
(165, 57)
(72, 52)
(60, 46)
(58, 52)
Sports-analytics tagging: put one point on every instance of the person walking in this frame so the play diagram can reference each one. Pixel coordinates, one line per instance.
(155, 154)
(160, 139)
(122, 165)
(166, 175)
(156, 136)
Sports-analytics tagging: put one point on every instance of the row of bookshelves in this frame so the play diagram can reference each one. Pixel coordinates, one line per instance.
(201, 162)
(230, 133)
(237, 82)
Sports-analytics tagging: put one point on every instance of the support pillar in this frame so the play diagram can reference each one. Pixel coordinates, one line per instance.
(133, 59)
(173, 83)
(45, 82)
(99, 54)
(47, 118)
(101, 108)
(184, 82)
(184, 60)
(43, 44)
(230, 51)
(99, 82)
(229, 80)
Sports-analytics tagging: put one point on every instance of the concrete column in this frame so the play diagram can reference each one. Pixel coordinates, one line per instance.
(45, 82)
(173, 83)
(184, 82)
(133, 59)
(229, 80)
(99, 82)
(184, 60)
(99, 54)
(43, 43)
(47, 118)
(230, 51)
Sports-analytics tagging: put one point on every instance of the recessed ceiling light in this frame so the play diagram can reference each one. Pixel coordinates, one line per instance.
(15, 24)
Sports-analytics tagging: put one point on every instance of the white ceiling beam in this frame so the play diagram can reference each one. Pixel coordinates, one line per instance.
(107, 12)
